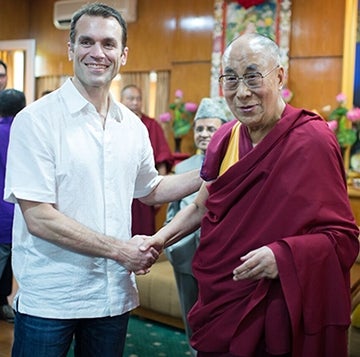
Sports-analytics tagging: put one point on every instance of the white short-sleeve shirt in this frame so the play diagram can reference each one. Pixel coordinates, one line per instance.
(60, 153)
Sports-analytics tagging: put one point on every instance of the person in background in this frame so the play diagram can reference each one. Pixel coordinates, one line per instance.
(143, 216)
(76, 160)
(6, 277)
(3, 75)
(278, 237)
(210, 115)
(11, 102)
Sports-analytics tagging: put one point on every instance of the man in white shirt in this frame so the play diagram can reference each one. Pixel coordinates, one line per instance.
(76, 160)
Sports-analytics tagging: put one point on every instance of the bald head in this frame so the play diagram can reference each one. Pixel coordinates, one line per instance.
(252, 80)
(132, 98)
(252, 48)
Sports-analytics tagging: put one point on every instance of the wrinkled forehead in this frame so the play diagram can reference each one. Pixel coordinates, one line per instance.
(243, 56)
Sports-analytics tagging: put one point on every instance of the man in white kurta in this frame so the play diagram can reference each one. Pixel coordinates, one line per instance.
(76, 160)
(62, 155)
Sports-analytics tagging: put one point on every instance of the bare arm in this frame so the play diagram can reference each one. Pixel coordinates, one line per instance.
(185, 221)
(46, 222)
(173, 188)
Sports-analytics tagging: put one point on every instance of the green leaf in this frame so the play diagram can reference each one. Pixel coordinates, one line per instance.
(181, 127)
(346, 137)
(337, 113)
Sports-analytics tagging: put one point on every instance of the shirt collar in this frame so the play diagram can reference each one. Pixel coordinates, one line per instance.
(76, 102)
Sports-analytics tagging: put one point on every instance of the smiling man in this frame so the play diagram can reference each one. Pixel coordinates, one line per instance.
(76, 160)
(278, 237)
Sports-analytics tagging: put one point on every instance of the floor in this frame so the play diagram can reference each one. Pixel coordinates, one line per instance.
(6, 338)
(7, 329)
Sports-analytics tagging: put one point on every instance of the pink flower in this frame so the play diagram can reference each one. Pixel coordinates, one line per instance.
(333, 124)
(286, 94)
(165, 117)
(179, 93)
(353, 114)
(341, 98)
(190, 107)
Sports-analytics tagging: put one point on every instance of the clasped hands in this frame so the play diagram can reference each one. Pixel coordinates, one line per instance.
(142, 253)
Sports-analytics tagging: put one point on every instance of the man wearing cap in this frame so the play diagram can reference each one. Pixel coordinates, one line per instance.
(211, 114)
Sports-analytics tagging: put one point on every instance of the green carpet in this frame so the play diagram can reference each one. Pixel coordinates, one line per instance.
(147, 338)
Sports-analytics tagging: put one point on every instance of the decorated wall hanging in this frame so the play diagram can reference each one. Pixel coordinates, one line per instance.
(232, 18)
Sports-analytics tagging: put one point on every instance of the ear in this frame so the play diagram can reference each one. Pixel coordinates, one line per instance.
(124, 56)
(70, 51)
(281, 77)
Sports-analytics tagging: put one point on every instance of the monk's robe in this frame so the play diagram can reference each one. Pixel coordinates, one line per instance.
(289, 193)
(144, 216)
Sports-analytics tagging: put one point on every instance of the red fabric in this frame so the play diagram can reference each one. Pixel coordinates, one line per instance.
(248, 3)
(162, 152)
(143, 216)
(289, 192)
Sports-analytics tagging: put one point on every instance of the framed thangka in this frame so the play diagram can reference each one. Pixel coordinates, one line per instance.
(232, 18)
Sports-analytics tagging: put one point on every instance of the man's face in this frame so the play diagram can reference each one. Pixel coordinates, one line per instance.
(259, 106)
(204, 129)
(3, 77)
(131, 97)
(97, 52)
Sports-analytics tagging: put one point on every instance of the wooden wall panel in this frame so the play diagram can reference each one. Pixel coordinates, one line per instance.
(186, 76)
(150, 38)
(316, 49)
(51, 51)
(14, 19)
(317, 28)
(315, 81)
(193, 36)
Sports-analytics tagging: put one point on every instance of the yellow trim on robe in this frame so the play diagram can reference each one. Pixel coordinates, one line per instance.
(232, 152)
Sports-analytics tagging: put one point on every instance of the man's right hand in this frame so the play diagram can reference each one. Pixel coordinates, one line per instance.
(137, 258)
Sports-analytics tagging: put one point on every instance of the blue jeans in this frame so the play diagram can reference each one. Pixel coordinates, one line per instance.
(94, 337)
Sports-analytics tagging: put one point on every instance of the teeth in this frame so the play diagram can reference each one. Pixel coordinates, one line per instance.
(96, 65)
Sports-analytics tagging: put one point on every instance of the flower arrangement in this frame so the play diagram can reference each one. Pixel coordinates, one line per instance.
(183, 113)
(344, 122)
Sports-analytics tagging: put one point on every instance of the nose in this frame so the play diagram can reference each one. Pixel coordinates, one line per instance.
(242, 90)
(97, 50)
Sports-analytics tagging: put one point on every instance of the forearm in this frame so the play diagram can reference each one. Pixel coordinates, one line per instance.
(185, 221)
(174, 187)
(46, 222)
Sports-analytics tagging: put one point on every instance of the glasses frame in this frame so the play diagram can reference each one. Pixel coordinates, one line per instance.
(244, 80)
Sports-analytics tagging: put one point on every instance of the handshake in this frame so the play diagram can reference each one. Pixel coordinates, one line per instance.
(141, 253)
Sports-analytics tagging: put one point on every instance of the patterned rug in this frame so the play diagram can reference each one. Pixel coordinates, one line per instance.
(147, 338)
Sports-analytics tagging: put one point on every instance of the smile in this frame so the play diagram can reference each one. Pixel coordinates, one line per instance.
(96, 66)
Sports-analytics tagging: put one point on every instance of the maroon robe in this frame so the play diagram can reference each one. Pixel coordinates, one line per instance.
(143, 216)
(289, 193)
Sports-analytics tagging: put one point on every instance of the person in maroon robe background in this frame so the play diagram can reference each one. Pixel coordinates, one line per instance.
(278, 237)
(143, 216)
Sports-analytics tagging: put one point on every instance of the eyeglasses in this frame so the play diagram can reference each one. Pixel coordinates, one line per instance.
(252, 80)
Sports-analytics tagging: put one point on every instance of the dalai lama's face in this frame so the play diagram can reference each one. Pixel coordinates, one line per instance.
(255, 97)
